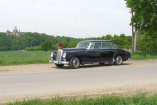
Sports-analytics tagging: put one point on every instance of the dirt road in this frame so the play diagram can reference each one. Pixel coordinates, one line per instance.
(45, 80)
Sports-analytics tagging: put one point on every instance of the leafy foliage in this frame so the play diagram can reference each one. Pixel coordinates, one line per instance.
(145, 20)
(35, 41)
(121, 41)
(36, 48)
(46, 45)
(145, 14)
(30, 41)
(149, 44)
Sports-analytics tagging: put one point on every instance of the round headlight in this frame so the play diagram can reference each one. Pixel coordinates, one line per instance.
(52, 54)
(64, 55)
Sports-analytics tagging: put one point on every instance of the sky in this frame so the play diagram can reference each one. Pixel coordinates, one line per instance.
(72, 18)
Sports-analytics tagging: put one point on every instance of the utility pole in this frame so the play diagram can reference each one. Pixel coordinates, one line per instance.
(132, 36)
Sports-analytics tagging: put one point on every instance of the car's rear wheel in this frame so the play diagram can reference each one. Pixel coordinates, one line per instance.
(74, 62)
(59, 65)
(118, 60)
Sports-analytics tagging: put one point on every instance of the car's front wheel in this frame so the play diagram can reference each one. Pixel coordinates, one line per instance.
(74, 62)
(118, 60)
(59, 65)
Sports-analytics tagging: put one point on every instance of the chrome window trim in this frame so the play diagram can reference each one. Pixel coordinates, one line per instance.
(111, 46)
(94, 43)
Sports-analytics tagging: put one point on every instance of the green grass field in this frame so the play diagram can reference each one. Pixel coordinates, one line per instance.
(104, 100)
(34, 57)
(22, 57)
(143, 56)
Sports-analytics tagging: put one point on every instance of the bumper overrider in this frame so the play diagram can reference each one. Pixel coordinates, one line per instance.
(59, 62)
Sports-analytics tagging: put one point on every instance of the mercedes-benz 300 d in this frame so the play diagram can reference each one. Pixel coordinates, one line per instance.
(89, 52)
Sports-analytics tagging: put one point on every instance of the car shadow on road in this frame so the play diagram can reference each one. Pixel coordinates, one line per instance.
(91, 66)
(104, 65)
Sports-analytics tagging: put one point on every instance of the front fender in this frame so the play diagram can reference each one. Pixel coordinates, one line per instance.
(72, 54)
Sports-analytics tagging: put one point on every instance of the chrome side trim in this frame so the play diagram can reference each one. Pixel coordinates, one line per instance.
(97, 62)
(59, 62)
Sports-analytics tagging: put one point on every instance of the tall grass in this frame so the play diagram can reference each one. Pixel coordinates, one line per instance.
(143, 56)
(104, 100)
(21, 57)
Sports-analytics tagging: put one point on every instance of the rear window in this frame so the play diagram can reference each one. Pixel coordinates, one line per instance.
(95, 45)
(109, 45)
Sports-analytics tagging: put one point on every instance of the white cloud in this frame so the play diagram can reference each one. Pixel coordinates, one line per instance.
(74, 18)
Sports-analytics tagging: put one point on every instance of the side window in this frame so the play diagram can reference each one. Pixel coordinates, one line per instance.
(95, 45)
(106, 45)
(113, 46)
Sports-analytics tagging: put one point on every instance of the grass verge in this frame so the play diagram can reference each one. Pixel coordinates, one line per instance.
(104, 100)
(143, 56)
(24, 57)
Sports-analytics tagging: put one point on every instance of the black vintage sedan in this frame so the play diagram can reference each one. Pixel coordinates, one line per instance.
(89, 52)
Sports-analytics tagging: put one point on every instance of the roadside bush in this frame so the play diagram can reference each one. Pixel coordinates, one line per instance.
(37, 48)
(149, 43)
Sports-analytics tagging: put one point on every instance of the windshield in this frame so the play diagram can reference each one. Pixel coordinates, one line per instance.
(83, 45)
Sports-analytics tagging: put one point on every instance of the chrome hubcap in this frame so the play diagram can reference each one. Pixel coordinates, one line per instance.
(76, 62)
(119, 60)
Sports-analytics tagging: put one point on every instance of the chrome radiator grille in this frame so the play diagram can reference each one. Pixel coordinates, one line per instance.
(59, 55)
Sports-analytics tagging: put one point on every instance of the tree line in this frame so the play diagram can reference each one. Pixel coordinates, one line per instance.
(36, 41)
(33, 41)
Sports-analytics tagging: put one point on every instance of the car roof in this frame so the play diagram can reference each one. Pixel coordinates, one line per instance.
(97, 41)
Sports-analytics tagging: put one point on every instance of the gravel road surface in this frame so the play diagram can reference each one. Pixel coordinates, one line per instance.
(45, 80)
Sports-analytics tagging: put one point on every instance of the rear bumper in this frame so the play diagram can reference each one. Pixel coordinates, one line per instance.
(129, 58)
(59, 62)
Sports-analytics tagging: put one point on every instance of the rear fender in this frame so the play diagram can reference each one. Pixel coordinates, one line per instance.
(116, 54)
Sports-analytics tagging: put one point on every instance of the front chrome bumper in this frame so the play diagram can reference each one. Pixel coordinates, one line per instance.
(59, 62)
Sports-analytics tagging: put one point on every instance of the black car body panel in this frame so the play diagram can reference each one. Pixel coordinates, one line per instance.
(91, 55)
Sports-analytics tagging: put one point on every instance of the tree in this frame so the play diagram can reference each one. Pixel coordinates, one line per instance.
(145, 14)
(65, 44)
(73, 44)
(144, 18)
(149, 44)
(54, 47)
(108, 37)
(46, 45)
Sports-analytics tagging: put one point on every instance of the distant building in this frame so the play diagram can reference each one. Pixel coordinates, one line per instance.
(15, 32)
